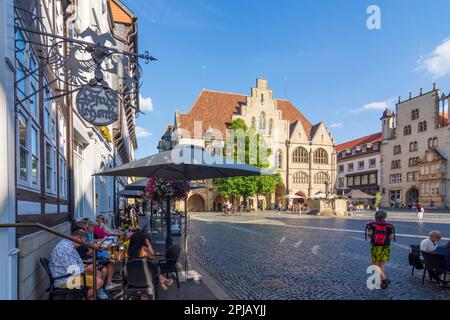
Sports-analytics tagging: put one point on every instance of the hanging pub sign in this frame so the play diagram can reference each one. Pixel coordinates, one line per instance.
(97, 105)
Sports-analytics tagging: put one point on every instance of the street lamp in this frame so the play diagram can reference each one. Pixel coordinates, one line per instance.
(165, 144)
(288, 145)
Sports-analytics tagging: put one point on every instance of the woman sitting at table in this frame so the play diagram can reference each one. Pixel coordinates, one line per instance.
(124, 217)
(140, 247)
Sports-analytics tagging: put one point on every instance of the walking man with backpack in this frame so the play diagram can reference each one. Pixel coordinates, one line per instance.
(381, 233)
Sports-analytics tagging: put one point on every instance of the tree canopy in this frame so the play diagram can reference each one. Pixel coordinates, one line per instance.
(246, 145)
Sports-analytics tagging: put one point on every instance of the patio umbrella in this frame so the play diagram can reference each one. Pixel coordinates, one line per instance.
(358, 194)
(140, 185)
(184, 162)
(294, 196)
(320, 195)
(130, 193)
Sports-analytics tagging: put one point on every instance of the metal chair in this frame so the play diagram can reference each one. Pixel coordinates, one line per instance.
(169, 264)
(60, 292)
(415, 258)
(435, 266)
(140, 276)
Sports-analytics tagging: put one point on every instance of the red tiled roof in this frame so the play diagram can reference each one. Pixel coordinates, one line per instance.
(118, 14)
(216, 109)
(291, 113)
(377, 137)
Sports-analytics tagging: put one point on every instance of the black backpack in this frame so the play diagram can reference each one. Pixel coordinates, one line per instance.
(414, 260)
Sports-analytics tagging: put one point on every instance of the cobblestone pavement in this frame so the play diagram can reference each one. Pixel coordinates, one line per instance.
(279, 256)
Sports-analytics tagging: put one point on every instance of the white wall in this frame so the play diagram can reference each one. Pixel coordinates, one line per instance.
(96, 148)
(8, 262)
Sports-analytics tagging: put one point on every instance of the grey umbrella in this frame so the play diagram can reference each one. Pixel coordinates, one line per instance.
(185, 162)
(130, 193)
(140, 185)
(358, 194)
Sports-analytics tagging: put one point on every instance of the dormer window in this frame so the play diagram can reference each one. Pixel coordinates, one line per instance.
(375, 146)
(364, 149)
(353, 151)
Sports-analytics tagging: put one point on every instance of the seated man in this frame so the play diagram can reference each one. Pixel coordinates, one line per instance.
(429, 244)
(65, 258)
(445, 251)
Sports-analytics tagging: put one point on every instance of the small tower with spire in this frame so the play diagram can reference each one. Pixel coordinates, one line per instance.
(387, 124)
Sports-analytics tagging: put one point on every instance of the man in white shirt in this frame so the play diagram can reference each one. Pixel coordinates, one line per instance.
(429, 244)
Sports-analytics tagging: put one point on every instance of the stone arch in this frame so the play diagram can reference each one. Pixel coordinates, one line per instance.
(280, 194)
(196, 203)
(219, 202)
(303, 198)
(320, 156)
(412, 195)
(270, 127)
(300, 178)
(262, 121)
(320, 177)
(278, 159)
(300, 155)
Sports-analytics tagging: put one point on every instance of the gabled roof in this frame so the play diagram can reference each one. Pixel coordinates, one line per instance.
(291, 113)
(120, 13)
(216, 109)
(376, 137)
(314, 129)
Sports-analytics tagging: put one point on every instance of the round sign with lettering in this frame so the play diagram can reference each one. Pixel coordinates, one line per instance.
(97, 105)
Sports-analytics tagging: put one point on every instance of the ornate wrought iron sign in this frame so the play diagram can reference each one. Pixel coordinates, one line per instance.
(97, 105)
(86, 63)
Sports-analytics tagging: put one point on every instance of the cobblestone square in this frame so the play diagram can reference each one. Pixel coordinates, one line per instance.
(271, 256)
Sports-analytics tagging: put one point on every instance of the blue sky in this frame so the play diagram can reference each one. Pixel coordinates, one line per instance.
(318, 53)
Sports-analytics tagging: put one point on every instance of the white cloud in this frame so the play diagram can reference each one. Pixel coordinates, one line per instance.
(142, 132)
(438, 62)
(336, 125)
(146, 104)
(373, 106)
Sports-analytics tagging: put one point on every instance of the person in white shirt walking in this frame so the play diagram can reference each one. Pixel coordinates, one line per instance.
(420, 212)
(429, 244)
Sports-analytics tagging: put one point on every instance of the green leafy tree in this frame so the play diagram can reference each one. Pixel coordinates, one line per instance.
(377, 201)
(255, 153)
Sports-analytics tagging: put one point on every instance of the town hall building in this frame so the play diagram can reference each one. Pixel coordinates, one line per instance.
(303, 153)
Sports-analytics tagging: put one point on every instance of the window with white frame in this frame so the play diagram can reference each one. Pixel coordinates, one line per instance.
(350, 167)
(62, 155)
(360, 165)
(49, 130)
(50, 165)
(372, 163)
(27, 117)
(396, 178)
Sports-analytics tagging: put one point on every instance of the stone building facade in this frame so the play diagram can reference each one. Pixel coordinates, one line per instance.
(49, 153)
(359, 165)
(303, 153)
(415, 151)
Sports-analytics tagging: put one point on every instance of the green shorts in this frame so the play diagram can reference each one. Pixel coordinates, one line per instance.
(380, 253)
